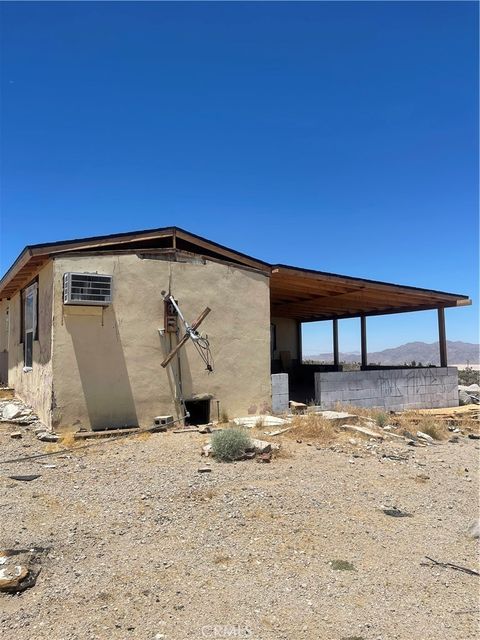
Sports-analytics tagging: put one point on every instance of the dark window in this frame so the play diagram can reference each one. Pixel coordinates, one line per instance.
(29, 322)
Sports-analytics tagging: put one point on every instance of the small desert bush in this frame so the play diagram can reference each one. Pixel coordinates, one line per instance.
(230, 444)
(381, 419)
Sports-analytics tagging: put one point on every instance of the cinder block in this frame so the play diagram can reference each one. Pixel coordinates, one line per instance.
(279, 382)
(280, 402)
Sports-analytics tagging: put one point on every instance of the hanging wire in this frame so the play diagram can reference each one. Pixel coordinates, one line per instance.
(202, 345)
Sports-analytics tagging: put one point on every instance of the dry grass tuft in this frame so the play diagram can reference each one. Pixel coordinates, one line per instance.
(312, 427)
(68, 439)
(433, 428)
(410, 422)
(145, 435)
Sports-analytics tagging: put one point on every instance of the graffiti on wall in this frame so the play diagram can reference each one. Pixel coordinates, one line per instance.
(421, 381)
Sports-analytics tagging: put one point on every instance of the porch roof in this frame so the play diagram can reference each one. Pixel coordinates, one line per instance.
(308, 295)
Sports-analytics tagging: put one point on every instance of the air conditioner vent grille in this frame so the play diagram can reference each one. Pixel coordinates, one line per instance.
(87, 289)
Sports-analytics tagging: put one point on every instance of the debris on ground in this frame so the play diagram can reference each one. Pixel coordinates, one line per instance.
(259, 421)
(425, 436)
(396, 513)
(278, 432)
(297, 407)
(262, 446)
(25, 478)
(47, 436)
(266, 456)
(469, 394)
(362, 430)
(206, 450)
(336, 416)
(450, 565)
(14, 411)
(11, 411)
(19, 569)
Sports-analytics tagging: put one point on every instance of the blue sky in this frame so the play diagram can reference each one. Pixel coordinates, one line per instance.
(337, 136)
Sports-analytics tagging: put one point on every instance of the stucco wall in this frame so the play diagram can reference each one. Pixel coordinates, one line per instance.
(106, 365)
(393, 389)
(35, 386)
(287, 337)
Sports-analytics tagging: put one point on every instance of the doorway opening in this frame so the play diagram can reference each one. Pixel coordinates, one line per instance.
(199, 411)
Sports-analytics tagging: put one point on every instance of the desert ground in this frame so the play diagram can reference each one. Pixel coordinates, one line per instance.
(138, 544)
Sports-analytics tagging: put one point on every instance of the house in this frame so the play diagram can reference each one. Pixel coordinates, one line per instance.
(86, 325)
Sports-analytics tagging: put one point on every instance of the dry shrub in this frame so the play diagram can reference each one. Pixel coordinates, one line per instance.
(312, 427)
(144, 435)
(434, 429)
(410, 422)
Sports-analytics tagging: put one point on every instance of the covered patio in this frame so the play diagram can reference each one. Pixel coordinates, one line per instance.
(301, 295)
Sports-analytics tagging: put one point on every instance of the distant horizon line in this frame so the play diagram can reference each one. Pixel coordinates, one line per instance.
(356, 352)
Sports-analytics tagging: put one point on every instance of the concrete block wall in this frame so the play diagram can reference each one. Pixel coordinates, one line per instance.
(280, 395)
(391, 389)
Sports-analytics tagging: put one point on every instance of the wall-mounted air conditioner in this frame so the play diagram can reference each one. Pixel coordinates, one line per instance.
(87, 289)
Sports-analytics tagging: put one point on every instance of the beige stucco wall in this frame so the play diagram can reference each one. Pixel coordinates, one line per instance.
(106, 365)
(287, 337)
(35, 386)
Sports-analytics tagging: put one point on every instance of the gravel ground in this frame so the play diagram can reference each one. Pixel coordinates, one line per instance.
(143, 546)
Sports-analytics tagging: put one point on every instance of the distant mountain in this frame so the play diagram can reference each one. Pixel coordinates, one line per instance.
(458, 353)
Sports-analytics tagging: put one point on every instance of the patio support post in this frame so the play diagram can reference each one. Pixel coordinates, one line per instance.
(299, 342)
(442, 337)
(336, 359)
(363, 331)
